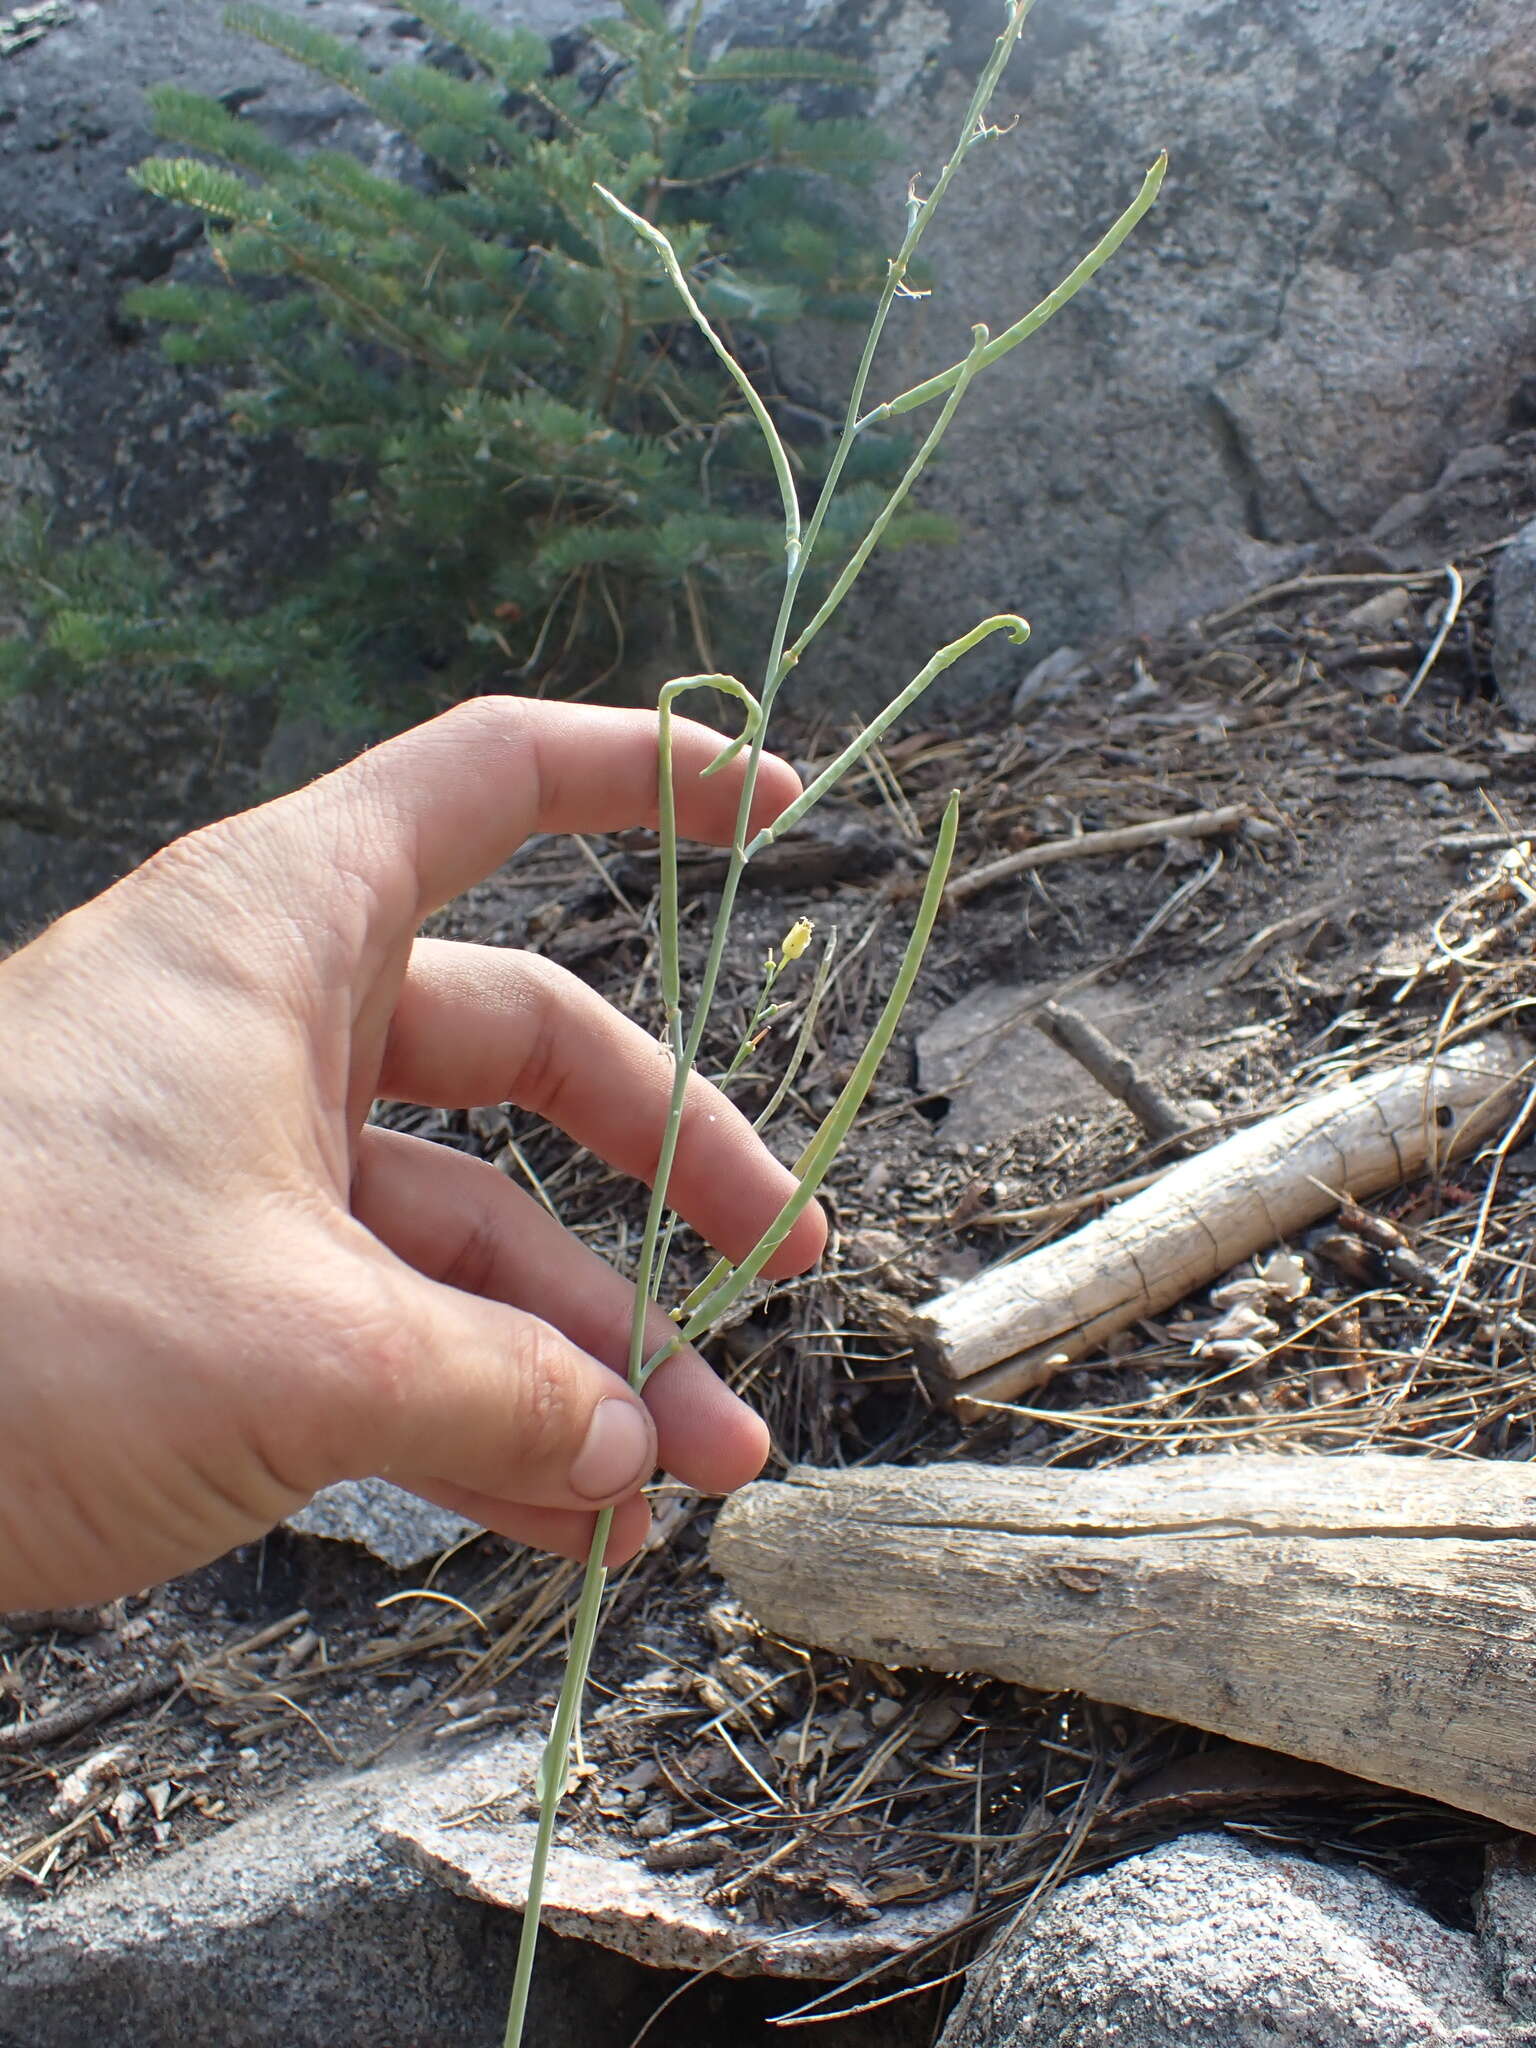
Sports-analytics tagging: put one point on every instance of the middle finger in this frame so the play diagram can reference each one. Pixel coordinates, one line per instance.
(477, 1024)
(461, 1222)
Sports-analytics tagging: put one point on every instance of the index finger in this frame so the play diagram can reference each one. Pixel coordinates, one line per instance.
(477, 1024)
(455, 798)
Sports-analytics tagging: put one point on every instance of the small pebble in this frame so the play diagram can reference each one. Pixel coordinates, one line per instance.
(126, 1808)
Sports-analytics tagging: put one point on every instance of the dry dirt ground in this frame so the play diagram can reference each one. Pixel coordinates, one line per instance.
(1361, 900)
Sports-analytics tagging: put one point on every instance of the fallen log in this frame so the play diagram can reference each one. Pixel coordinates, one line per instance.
(1374, 1614)
(1014, 1327)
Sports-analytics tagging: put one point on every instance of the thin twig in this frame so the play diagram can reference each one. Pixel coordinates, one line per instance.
(1448, 617)
(66, 1721)
(1098, 845)
(1164, 1120)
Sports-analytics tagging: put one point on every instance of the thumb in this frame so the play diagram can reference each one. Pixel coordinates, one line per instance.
(485, 1397)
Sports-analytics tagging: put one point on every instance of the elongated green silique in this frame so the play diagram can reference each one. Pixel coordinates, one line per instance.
(725, 1284)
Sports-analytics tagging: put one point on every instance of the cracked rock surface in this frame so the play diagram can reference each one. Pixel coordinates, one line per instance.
(1330, 299)
(1514, 624)
(362, 1912)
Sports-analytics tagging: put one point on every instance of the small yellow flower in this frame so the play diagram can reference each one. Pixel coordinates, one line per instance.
(797, 938)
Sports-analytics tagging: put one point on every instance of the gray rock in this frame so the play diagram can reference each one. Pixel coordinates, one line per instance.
(302, 748)
(1206, 1943)
(1506, 1922)
(451, 1824)
(1514, 625)
(93, 780)
(1489, 459)
(97, 426)
(352, 1914)
(396, 1526)
(297, 1928)
(1001, 1073)
(92, 418)
(1328, 303)
(1052, 680)
(42, 876)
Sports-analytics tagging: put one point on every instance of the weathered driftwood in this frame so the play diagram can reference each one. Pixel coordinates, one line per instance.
(1375, 1614)
(1012, 1328)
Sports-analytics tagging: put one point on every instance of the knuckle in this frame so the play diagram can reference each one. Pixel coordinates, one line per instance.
(542, 1075)
(363, 1351)
(492, 713)
(475, 1263)
(500, 722)
(546, 1404)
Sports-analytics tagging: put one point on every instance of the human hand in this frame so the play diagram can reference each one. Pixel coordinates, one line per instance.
(220, 1291)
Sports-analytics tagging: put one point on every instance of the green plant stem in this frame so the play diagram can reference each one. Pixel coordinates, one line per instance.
(855, 564)
(763, 1014)
(798, 557)
(1017, 630)
(725, 1284)
(1035, 319)
(553, 1768)
(781, 469)
(814, 1162)
(722, 1267)
(671, 966)
(584, 1628)
(971, 132)
(798, 551)
(656, 1240)
(770, 1108)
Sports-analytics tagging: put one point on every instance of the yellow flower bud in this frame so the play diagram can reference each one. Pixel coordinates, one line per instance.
(797, 938)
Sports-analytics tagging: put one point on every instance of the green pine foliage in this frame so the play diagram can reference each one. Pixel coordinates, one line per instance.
(113, 608)
(548, 481)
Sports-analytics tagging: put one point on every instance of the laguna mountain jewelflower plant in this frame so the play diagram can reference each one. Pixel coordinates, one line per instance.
(685, 1019)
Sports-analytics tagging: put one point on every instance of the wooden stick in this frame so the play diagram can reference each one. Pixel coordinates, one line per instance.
(1014, 1327)
(66, 1721)
(1295, 585)
(1483, 842)
(1086, 845)
(1372, 1613)
(1164, 1120)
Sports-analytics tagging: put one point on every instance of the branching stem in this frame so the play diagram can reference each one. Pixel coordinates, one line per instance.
(1035, 319)
(725, 1284)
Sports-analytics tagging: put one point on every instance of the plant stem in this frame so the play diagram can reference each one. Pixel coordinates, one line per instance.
(918, 219)
(584, 1628)
(814, 1162)
(725, 1284)
(883, 518)
(557, 1756)
(770, 1108)
(760, 413)
(1017, 630)
(1034, 320)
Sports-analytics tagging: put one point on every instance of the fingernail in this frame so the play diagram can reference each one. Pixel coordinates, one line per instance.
(617, 1454)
